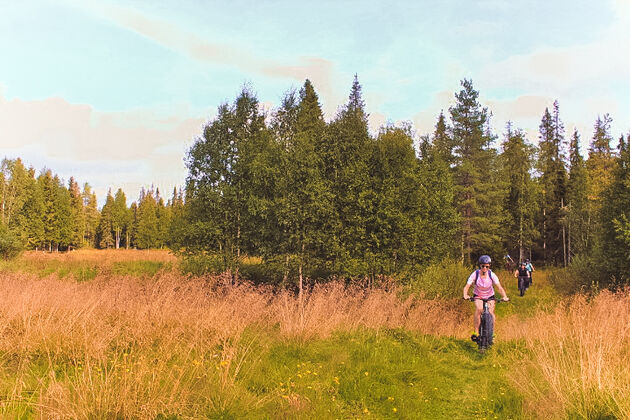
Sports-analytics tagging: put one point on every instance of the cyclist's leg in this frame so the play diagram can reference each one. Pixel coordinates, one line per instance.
(491, 304)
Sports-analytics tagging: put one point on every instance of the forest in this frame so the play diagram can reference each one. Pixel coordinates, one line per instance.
(314, 199)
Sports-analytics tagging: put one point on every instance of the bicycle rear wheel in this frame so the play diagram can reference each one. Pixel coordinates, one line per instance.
(522, 285)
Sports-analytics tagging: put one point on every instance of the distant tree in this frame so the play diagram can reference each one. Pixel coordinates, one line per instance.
(147, 230)
(91, 215)
(77, 213)
(121, 219)
(104, 236)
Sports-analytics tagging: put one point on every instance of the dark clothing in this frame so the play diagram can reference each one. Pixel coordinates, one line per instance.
(522, 272)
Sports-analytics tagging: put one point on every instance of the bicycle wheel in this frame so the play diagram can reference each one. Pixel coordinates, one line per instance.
(485, 331)
(488, 323)
(521, 285)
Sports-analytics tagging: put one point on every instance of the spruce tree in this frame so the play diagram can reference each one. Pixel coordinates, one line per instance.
(600, 167)
(579, 229)
(477, 191)
(552, 185)
(104, 236)
(346, 152)
(519, 203)
(91, 216)
(615, 221)
(305, 203)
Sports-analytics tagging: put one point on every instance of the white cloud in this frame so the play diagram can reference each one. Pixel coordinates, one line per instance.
(105, 149)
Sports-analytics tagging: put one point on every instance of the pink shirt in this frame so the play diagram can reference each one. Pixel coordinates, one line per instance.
(483, 288)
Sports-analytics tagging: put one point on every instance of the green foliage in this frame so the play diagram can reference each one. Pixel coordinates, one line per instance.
(444, 279)
(519, 200)
(10, 245)
(199, 264)
(584, 274)
(138, 268)
(477, 186)
(553, 185)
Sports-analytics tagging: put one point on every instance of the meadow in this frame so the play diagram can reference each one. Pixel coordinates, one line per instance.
(124, 335)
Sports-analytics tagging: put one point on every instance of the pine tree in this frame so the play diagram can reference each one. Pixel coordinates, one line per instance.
(443, 143)
(91, 215)
(520, 207)
(121, 219)
(579, 235)
(305, 202)
(552, 184)
(104, 236)
(147, 234)
(477, 191)
(615, 221)
(346, 152)
(77, 213)
(600, 168)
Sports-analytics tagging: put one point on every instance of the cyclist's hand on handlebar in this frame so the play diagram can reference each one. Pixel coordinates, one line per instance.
(466, 297)
(506, 299)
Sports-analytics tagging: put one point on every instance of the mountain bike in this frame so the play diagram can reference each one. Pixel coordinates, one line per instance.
(486, 326)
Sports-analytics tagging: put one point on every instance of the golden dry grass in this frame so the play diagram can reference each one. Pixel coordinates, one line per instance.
(100, 256)
(576, 360)
(136, 347)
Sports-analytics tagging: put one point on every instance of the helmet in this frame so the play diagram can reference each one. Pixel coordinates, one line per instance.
(485, 259)
(522, 263)
(527, 260)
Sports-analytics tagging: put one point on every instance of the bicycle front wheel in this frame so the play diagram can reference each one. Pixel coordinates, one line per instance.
(487, 330)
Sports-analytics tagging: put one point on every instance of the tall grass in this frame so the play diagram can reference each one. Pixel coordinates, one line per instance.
(137, 347)
(575, 363)
(191, 347)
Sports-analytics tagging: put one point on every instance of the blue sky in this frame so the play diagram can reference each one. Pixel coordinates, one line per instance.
(114, 93)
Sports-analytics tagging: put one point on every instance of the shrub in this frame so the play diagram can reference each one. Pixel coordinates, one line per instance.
(10, 245)
(445, 279)
(581, 276)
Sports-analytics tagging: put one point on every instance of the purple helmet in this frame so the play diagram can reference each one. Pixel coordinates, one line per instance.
(485, 259)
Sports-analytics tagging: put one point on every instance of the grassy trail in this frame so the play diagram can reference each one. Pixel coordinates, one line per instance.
(398, 374)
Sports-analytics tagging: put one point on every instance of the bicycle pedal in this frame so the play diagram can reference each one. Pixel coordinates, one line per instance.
(474, 337)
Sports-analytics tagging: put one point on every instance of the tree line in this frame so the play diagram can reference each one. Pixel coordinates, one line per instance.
(315, 198)
(42, 212)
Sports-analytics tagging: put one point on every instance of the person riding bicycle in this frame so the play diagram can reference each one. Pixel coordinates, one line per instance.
(522, 274)
(531, 270)
(483, 279)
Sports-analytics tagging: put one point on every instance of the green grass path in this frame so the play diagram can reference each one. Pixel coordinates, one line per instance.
(390, 374)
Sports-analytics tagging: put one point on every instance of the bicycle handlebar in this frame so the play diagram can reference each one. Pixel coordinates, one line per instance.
(474, 298)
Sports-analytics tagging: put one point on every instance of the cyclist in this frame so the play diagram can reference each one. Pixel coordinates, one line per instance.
(522, 274)
(483, 279)
(531, 270)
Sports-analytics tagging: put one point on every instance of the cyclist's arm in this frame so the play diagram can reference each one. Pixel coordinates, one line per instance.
(502, 291)
(466, 291)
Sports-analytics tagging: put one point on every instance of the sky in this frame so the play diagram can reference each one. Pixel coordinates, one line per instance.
(114, 93)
